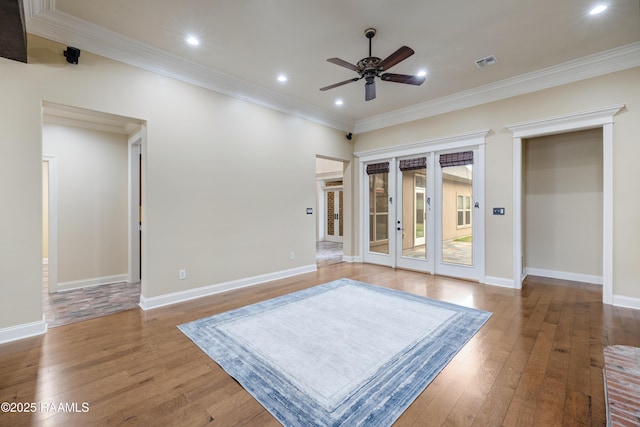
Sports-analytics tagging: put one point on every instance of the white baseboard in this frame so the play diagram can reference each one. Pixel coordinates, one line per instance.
(26, 330)
(499, 281)
(628, 302)
(176, 297)
(346, 258)
(95, 281)
(564, 275)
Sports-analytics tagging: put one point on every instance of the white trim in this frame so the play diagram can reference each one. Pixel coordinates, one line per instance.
(53, 223)
(571, 122)
(351, 259)
(518, 209)
(607, 212)
(135, 144)
(43, 20)
(628, 302)
(26, 330)
(182, 296)
(94, 281)
(602, 117)
(436, 144)
(564, 275)
(83, 124)
(499, 281)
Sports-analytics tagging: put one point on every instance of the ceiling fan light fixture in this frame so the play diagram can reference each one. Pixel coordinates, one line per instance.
(598, 9)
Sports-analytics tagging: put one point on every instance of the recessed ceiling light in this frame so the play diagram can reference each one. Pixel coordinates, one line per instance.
(598, 9)
(422, 73)
(339, 102)
(193, 40)
(282, 78)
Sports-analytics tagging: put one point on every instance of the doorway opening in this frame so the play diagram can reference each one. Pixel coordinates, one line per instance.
(602, 119)
(562, 175)
(330, 224)
(91, 213)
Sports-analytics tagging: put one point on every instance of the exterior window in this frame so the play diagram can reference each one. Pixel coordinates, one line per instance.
(464, 210)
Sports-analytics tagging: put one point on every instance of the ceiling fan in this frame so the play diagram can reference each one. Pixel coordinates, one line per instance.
(371, 67)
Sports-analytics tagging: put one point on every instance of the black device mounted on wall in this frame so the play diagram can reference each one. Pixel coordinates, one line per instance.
(72, 54)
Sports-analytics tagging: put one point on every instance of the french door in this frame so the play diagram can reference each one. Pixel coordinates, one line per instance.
(424, 213)
(334, 204)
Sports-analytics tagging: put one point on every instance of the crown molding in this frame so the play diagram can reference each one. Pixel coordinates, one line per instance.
(44, 21)
(610, 61)
(574, 121)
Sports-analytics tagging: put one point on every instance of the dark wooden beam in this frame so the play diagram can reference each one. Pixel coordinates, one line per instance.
(13, 33)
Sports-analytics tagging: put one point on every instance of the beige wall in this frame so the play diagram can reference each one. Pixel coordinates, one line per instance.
(612, 89)
(563, 202)
(327, 166)
(196, 216)
(92, 201)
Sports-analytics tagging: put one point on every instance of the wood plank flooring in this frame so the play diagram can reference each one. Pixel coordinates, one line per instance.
(537, 361)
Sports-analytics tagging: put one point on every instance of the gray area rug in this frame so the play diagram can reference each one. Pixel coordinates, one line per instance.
(342, 353)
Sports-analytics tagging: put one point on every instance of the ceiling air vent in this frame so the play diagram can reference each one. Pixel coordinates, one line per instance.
(485, 62)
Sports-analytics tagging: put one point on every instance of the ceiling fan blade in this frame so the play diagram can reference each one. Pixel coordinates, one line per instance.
(402, 78)
(399, 55)
(370, 90)
(343, 63)
(355, 79)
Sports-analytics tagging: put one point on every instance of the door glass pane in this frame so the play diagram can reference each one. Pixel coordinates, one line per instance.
(330, 213)
(340, 212)
(457, 227)
(379, 213)
(413, 216)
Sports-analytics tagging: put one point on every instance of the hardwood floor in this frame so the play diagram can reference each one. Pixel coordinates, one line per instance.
(537, 361)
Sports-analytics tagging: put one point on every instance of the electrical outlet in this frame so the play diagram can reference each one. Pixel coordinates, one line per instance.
(292, 256)
(182, 274)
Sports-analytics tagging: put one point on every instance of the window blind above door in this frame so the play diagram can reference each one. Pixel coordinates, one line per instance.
(413, 164)
(456, 159)
(375, 168)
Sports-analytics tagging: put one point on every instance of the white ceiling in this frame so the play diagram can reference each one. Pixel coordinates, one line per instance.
(246, 44)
